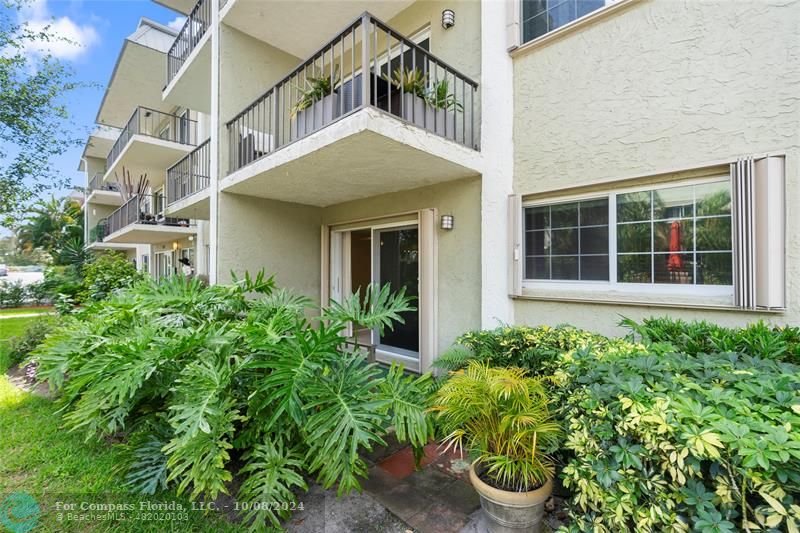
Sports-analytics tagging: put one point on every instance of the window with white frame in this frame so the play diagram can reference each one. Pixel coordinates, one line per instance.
(539, 17)
(567, 241)
(656, 235)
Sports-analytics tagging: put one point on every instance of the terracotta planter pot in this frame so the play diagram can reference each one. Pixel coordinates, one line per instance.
(511, 512)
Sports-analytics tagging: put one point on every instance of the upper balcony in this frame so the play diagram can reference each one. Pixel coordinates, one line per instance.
(103, 193)
(189, 62)
(371, 112)
(187, 185)
(141, 220)
(150, 142)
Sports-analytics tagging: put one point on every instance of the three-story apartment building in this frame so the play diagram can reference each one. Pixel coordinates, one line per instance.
(515, 161)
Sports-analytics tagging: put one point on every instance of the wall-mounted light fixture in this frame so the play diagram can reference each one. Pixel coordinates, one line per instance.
(448, 19)
(447, 222)
(175, 245)
(191, 238)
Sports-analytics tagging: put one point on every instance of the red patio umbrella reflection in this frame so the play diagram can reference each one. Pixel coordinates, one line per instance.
(675, 261)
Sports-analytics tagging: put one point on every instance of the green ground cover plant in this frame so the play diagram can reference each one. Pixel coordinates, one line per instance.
(662, 434)
(758, 339)
(204, 383)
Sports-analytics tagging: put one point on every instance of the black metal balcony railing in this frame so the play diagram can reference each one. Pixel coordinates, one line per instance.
(196, 25)
(189, 175)
(96, 184)
(98, 233)
(141, 209)
(367, 64)
(152, 123)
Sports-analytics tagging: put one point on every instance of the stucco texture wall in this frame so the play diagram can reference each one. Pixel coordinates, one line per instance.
(660, 85)
(279, 237)
(459, 272)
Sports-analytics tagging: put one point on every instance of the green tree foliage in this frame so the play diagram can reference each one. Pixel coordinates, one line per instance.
(34, 122)
(201, 380)
(55, 226)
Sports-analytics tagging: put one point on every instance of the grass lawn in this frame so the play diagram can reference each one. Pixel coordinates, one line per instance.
(10, 327)
(40, 458)
(25, 311)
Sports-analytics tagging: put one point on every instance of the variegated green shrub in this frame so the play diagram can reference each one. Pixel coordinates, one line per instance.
(670, 441)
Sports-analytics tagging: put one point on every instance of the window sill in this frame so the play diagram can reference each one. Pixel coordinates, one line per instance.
(575, 25)
(711, 303)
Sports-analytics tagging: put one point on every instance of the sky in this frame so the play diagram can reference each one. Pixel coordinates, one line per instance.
(98, 29)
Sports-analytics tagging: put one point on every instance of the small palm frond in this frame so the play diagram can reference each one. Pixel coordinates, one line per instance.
(455, 358)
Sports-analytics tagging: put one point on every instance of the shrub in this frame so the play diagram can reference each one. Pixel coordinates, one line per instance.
(757, 339)
(670, 440)
(692, 429)
(60, 280)
(12, 294)
(19, 347)
(201, 379)
(37, 293)
(106, 273)
(534, 349)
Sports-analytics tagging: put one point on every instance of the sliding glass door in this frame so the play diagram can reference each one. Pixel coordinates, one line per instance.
(397, 263)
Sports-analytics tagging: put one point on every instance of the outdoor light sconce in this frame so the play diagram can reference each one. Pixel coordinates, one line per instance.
(447, 222)
(175, 245)
(448, 19)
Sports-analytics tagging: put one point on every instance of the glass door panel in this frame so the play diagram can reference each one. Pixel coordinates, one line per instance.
(397, 263)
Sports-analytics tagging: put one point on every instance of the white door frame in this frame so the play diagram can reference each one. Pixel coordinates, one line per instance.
(336, 269)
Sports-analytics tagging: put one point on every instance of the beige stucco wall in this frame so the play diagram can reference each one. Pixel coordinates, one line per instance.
(458, 283)
(663, 84)
(279, 237)
(248, 68)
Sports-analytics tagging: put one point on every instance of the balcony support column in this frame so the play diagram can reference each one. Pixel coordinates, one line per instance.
(217, 131)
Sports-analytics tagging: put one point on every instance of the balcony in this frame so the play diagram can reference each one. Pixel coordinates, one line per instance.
(189, 62)
(150, 142)
(141, 220)
(103, 193)
(187, 184)
(97, 236)
(370, 113)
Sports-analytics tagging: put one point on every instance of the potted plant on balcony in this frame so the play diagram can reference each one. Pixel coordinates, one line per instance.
(317, 104)
(501, 417)
(429, 105)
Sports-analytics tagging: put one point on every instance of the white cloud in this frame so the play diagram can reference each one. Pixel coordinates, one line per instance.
(69, 41)
(177, 23)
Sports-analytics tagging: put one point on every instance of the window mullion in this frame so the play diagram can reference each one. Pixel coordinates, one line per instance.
(612, 238)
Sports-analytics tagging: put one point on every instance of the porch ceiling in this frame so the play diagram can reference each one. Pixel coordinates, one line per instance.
(365, 154)
(300, 28)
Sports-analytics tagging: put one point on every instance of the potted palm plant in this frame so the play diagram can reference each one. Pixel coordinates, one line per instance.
(317, 103)
(429, 105)
(501, 417)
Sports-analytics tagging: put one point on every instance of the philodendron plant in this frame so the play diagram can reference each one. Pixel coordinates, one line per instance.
(204, 383)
